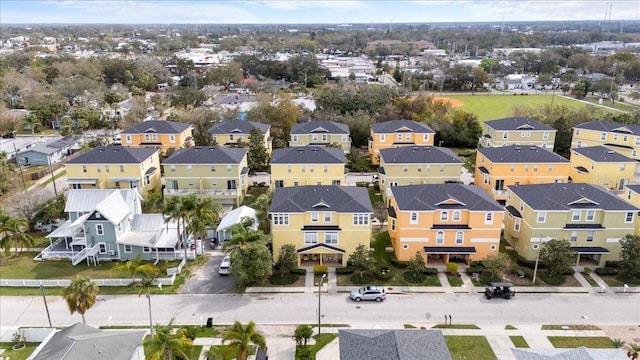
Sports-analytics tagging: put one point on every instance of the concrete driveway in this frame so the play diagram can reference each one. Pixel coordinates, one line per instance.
(206, 280)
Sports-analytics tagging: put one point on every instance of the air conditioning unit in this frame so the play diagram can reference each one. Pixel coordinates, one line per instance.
(111, 252)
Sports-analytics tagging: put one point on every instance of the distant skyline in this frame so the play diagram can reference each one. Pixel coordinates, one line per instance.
(307, 12)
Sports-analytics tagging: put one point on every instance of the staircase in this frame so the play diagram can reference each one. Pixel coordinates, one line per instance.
(86, 252)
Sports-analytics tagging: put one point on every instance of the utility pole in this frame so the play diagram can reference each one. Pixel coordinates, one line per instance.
(24, 184)
(53, 178)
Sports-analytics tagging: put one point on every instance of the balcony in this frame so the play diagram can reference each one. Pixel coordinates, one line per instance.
(497, 192)
(210, 192)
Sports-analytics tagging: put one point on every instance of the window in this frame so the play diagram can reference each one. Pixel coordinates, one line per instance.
(327, 217)
(360, 219)
(172, 138)
(102, 248)
(117, 184)
(189, 167)
(99, 229)
(505, 135)
(215, 139)
(345, 138)
(314, 216)
(440, 237)
(526, 167)
(310, 238)
(399, 137)
(575, 215)
(289, 168)
(324, 137)
(637, 140)
(230, 137)
(625, 138)
(542, 216)
(577, 131)
(488, 218)
(459, 238)
(304, 169)
(121, 168)
(550, 168)
(574, 236)
(311, 168)
(590, 235)
(147, 137)
(228, 168)
(128, 249)
(456, 216)
(628, 217)
(525, 134)
(393, 224)
(426, 137)
(444, 216)
(326, 168)
(516, 225)
(84, 168)
(545, 135)
(382, 137)
(407, 137)
(535, 168)
(487, 178)
(146, 249)
(280, 219)
(513, 168)
(615, 136)
(591, 215)
(603, 136)
(294, 138)
(172, 168)
(331, 238)
(279, 183)
(414, 218)
(128, 138)
(98, 169)
(441, 167)
(622, 167)
(106, 168)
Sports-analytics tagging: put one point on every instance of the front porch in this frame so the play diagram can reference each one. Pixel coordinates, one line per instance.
(322, 254)
(441, 255)
(589, 255)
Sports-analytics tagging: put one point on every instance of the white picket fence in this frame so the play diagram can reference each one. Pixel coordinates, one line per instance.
(166, 281)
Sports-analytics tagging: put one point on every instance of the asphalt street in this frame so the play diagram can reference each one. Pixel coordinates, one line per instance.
(206, 280)
(619, 309)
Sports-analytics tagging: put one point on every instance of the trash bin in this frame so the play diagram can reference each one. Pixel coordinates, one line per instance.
(209, 322)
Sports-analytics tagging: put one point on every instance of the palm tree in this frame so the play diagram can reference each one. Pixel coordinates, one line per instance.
(205, 213)
(242, 236)
(14, 229)
(147, 275)
(165, 345)
(261, 205)
(241, 338)
(81, 295)
(33, 122)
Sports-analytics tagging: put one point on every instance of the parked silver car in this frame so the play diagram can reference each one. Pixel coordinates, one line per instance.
(225, 266)
(376, 293)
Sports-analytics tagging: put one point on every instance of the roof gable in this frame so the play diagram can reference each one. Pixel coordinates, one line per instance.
(319, 129)
(158, 126)
(583, 201)
(451, 201)
(568, 196)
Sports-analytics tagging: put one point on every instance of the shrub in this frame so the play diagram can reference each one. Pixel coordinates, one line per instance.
(526, 263)
(320, 269)
(190, 331)
(283, 279)
(413, 277)
(476, 263)
(611, 270)
(388, 273)
(601, 271)
(587, 270)
(487, 277)
(366, 278)
(452, 268)
(430, 271)
(569, 271)
(396, 263)
(613, 264)
(299, 271)
(474, 269)
(345, 270)
(553, 280)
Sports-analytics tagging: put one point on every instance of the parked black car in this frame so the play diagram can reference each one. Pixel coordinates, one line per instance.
(9, 135)
(500, 290)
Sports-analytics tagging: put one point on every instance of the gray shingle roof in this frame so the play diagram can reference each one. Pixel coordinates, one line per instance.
(518, 123)
(601, 154)
(394, 126)
(569, 196)
(238, 127)
(308, 155)
(437, 196)
(521, 154)
(80, 341)
(206, 155)
(320, 127)
(345, 199)
(610, 127)
(419, 155)
(114, 155)
(580, 353)
(392, 344)
(634, 188)
(157, 127)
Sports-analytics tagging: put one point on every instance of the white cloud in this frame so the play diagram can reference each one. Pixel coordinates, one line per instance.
(300, 4)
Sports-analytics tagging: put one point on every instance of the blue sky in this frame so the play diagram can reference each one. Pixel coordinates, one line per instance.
(306, 11)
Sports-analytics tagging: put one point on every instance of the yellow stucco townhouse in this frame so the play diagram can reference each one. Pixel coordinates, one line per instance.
(522, 131)
(602, 166)
(160, 134)
(320, 133)
(308, 165)
(397, 133)
(621, 138)
(233, 132)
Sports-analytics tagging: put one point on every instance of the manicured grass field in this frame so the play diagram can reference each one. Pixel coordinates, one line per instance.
(469, 347)
(570, 342)
(492, 107)
(519, 341)
(21, 354)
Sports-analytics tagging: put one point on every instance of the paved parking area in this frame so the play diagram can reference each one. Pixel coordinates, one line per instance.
(206, 280)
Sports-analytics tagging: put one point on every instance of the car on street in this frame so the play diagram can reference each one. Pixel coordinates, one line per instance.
(225, 266)
(376, 293)
(499, 290)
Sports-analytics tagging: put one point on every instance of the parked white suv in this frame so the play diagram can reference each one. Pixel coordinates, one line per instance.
(225, 266)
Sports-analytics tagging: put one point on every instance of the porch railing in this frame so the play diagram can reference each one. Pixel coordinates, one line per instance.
(84, 253)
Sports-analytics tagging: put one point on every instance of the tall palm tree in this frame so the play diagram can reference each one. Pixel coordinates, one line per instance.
(165, 345)
(81, 295)
(147, 275)
(240, 339)
(261, 205)
(14, 229)
(205, 213)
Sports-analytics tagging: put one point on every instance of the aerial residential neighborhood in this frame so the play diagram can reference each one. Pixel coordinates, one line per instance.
(309, 180)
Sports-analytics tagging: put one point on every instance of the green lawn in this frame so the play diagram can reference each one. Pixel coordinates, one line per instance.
(570, 342)
(321, 341)
(491, 107)
(469, 347)
(253, 193)
(570, 327)
(622, 106)
(519, 341)
(361, 162)
(194, 354)
(510, 327)
(21, 354)
(454, 280)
